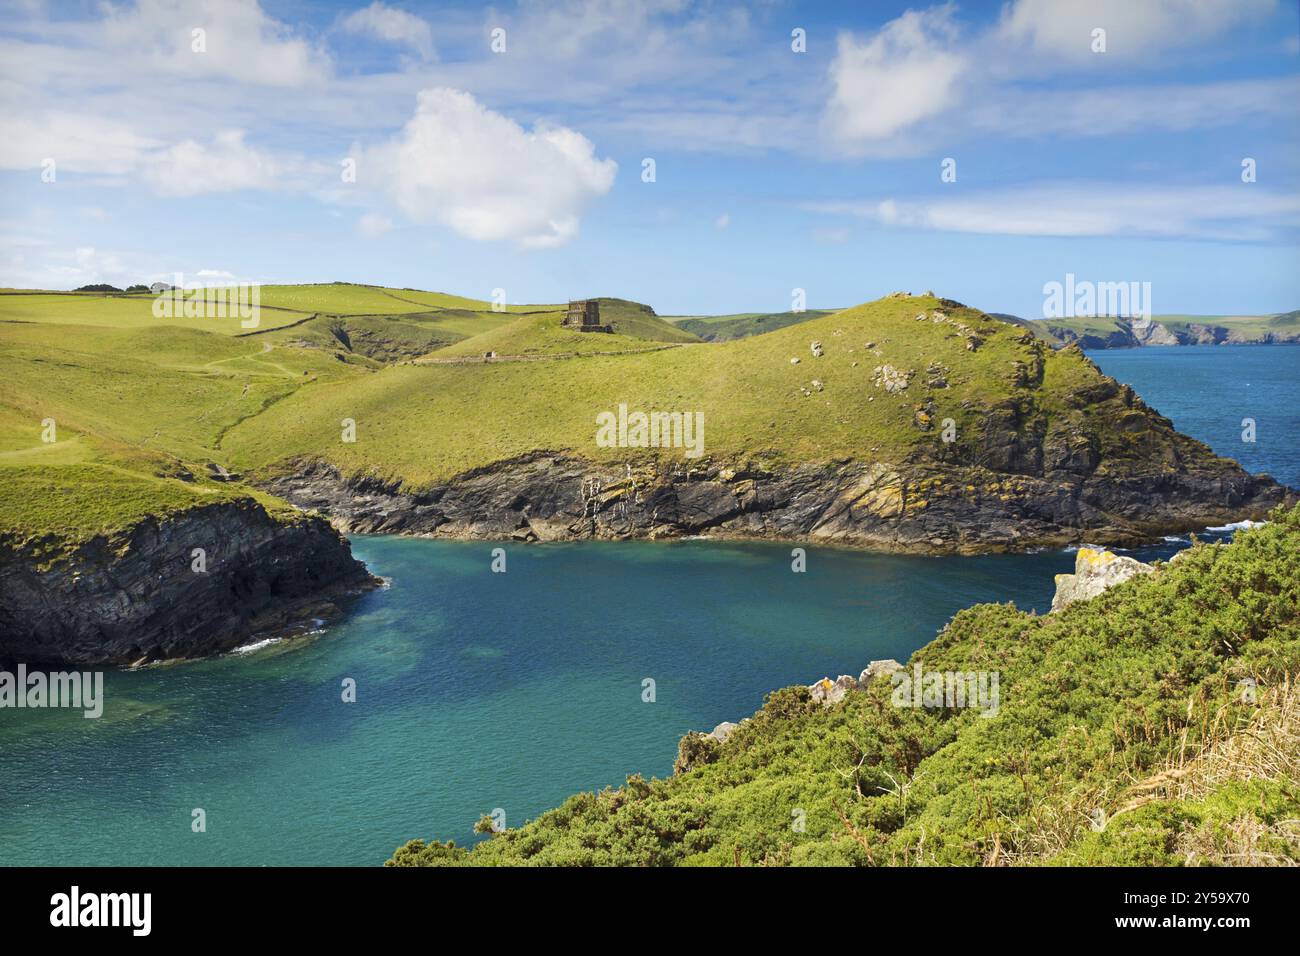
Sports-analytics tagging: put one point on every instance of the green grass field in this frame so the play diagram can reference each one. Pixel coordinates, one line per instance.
(638, 321)
(541, 335)
(124, 312)
(133, 409)
(341, 298)
(426, 423)
(723, 328)
(388, 338)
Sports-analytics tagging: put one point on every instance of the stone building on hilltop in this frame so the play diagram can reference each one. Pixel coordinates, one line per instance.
(584, 316)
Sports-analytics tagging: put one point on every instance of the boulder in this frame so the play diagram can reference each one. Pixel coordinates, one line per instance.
(816, 349)
(721, 732)
(892, 380)
(876, 670)
(829, 691)
(1094, 572)
(219, 473)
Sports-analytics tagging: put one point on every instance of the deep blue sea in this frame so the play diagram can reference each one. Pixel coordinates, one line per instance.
(1207, 390)
(477, 691)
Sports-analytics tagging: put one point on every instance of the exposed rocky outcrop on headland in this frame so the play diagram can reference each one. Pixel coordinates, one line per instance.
(696, 749)
(1052, 488)
(137, 597)
(1094, 572)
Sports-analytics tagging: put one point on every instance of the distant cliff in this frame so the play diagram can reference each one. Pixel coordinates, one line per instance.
(1106, 333)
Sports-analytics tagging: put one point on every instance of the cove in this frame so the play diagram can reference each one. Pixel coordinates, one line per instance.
(476, 692)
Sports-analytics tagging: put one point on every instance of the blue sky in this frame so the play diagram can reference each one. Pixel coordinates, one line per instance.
(774, 169)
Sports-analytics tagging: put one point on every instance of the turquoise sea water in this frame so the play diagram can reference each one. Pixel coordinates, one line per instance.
(478, 691)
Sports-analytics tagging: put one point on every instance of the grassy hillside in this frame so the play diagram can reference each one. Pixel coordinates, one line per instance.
(1039, 329)
(1122, 737)
(388, 338)
(344, 298)
(141, 405)
(125, 312)
(723, 328)
(138, 414)
(639, 321)
(73, 503)
(541, 334)
(426, 423)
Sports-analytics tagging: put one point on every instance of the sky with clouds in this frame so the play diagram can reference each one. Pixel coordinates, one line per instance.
(465, 148)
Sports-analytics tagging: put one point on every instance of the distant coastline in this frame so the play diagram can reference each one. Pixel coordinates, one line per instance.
(1104, 332)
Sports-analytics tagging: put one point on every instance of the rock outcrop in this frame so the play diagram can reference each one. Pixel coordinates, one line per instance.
(139, 596)
(721, 732)
(1094, 572)
(697, 749)
(827, 691)
(892, 380)
(1033, 485)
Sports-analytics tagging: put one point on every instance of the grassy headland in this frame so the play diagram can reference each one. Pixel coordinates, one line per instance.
(173, 398)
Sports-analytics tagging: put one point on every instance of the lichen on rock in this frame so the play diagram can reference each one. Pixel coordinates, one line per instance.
(1094, 572)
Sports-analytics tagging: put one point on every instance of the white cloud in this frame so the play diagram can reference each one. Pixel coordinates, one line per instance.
(894, 91)
(484, 176)
(372, 225)
(722, 222)
(906, 72)
(1238, 212)
(190, 168)
(392, 26)
(78, 142)
(240, 42)
(1133, 27)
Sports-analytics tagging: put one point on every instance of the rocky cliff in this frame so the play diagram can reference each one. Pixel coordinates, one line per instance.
(1027, 490)
(1135, 333)
(144, 594)
(1039, 466)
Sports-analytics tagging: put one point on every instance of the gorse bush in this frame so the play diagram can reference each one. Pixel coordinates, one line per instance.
(1153, 725)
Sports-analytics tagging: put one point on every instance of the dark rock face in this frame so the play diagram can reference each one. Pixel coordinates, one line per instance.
(138, 598)
(1032, 468)
(921, 506)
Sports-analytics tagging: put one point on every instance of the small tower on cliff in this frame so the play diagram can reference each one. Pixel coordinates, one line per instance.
(584, 316)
